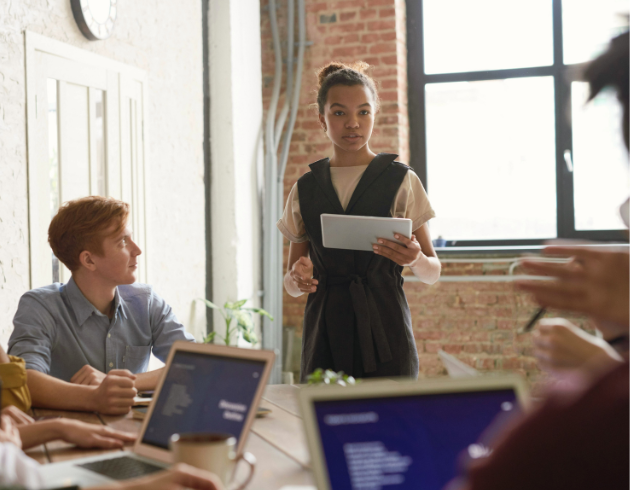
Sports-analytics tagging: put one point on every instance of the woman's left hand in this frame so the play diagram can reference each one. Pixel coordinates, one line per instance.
(92, 435)
(18, 417)
(406, 254)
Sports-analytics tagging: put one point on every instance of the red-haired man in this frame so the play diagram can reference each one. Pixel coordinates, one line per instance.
(87, 343)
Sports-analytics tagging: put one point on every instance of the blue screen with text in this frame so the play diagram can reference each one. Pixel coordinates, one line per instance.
(406, 442)
(204, 393)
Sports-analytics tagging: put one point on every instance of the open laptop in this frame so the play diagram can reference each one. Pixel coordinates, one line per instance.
(406, 435)
(204, 388)
(456, 368)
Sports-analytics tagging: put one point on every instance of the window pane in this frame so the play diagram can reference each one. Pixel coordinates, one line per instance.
(99, 129)
(600, 160)
(588, 26)
(491, 159)
(465, 35)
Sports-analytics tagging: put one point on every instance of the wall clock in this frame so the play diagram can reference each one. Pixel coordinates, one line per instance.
(95, 18)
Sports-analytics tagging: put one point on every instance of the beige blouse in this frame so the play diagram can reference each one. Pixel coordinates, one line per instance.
(411, 201)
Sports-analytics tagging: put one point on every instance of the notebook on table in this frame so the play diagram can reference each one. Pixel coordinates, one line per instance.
(204, 388)
(407, 435)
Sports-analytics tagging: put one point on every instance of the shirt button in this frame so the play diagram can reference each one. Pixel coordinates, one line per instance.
(109, 335)
(111, 364)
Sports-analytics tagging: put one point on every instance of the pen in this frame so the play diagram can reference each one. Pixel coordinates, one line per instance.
(533, 320)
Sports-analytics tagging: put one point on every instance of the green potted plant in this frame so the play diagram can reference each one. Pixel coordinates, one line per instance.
(329, 377)
(238, 319)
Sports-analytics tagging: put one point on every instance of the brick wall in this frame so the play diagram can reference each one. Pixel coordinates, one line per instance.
(476, 321)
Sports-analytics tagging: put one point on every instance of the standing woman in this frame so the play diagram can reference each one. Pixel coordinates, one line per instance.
(356, 319)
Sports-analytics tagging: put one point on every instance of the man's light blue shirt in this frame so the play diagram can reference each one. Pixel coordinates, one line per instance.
(58, 331)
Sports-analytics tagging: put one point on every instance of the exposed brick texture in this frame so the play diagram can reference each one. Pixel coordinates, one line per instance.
(476, 321)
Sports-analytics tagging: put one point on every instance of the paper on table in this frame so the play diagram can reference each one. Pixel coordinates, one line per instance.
(139, 401)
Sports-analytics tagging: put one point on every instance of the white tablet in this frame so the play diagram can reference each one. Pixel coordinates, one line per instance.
(360, 232)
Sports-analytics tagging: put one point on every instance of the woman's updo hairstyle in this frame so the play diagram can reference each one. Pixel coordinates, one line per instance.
(336, 73)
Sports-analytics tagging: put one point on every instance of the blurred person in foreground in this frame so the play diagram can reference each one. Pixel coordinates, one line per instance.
(573, 356)
(579, 442)
(18, 471)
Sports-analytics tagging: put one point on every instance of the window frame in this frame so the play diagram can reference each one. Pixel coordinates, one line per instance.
(563, 75)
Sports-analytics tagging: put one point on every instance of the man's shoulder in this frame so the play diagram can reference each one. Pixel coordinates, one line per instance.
(136, 291)
(46, 294)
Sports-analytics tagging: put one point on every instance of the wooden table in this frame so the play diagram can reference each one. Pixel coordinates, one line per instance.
(277, 440)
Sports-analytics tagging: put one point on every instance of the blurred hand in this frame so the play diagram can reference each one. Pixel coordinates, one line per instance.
(4, 358)
(405, 255)
(88, 375)
(91, 435)
(593, 282)
(301, 274)
(560, 345)
(115, 394)
(9, 432)
(178, 477)
(17, 416)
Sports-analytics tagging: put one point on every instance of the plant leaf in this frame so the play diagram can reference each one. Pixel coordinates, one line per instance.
(243, 318)
(235, 305)
(240, 303)
(249, 336)
(260, 311)
(209, 304)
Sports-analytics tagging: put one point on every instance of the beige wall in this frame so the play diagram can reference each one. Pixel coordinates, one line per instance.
(164, 38)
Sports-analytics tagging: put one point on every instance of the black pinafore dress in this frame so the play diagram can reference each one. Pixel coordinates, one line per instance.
(358, 320)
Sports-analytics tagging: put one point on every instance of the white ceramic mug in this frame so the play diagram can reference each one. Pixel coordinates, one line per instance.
(212, 452)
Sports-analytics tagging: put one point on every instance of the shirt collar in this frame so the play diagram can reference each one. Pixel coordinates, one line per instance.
(83, 309)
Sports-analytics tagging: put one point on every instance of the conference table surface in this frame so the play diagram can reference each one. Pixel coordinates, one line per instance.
(276, 440)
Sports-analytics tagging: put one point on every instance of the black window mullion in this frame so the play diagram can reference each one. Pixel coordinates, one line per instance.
(562, 93)
(416, 91)
(481, 76)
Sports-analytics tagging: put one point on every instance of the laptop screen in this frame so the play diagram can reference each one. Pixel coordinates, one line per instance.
(405, 442)
(203, 393)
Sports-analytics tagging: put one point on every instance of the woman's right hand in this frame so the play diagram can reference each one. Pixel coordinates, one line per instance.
(560, 345)
(18, 417)
(301, 274)
(9, 432)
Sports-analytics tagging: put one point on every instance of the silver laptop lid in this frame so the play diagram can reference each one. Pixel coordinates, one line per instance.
(204, 388)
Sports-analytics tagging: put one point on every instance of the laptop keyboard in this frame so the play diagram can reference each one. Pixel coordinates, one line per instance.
(121, 468)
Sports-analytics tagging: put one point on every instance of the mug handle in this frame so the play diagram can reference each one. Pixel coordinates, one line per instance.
(250, 459)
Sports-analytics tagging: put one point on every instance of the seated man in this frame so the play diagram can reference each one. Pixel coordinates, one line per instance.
(82, 341)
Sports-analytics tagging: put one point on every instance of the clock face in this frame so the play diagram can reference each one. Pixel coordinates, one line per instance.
(95, 18)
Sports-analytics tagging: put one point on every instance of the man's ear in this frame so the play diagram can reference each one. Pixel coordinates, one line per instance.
(86, 260)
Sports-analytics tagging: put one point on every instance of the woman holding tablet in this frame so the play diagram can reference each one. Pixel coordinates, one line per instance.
(356, 319)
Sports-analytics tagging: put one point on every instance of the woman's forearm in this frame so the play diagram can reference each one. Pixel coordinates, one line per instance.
(39, 432)
(427, 269)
